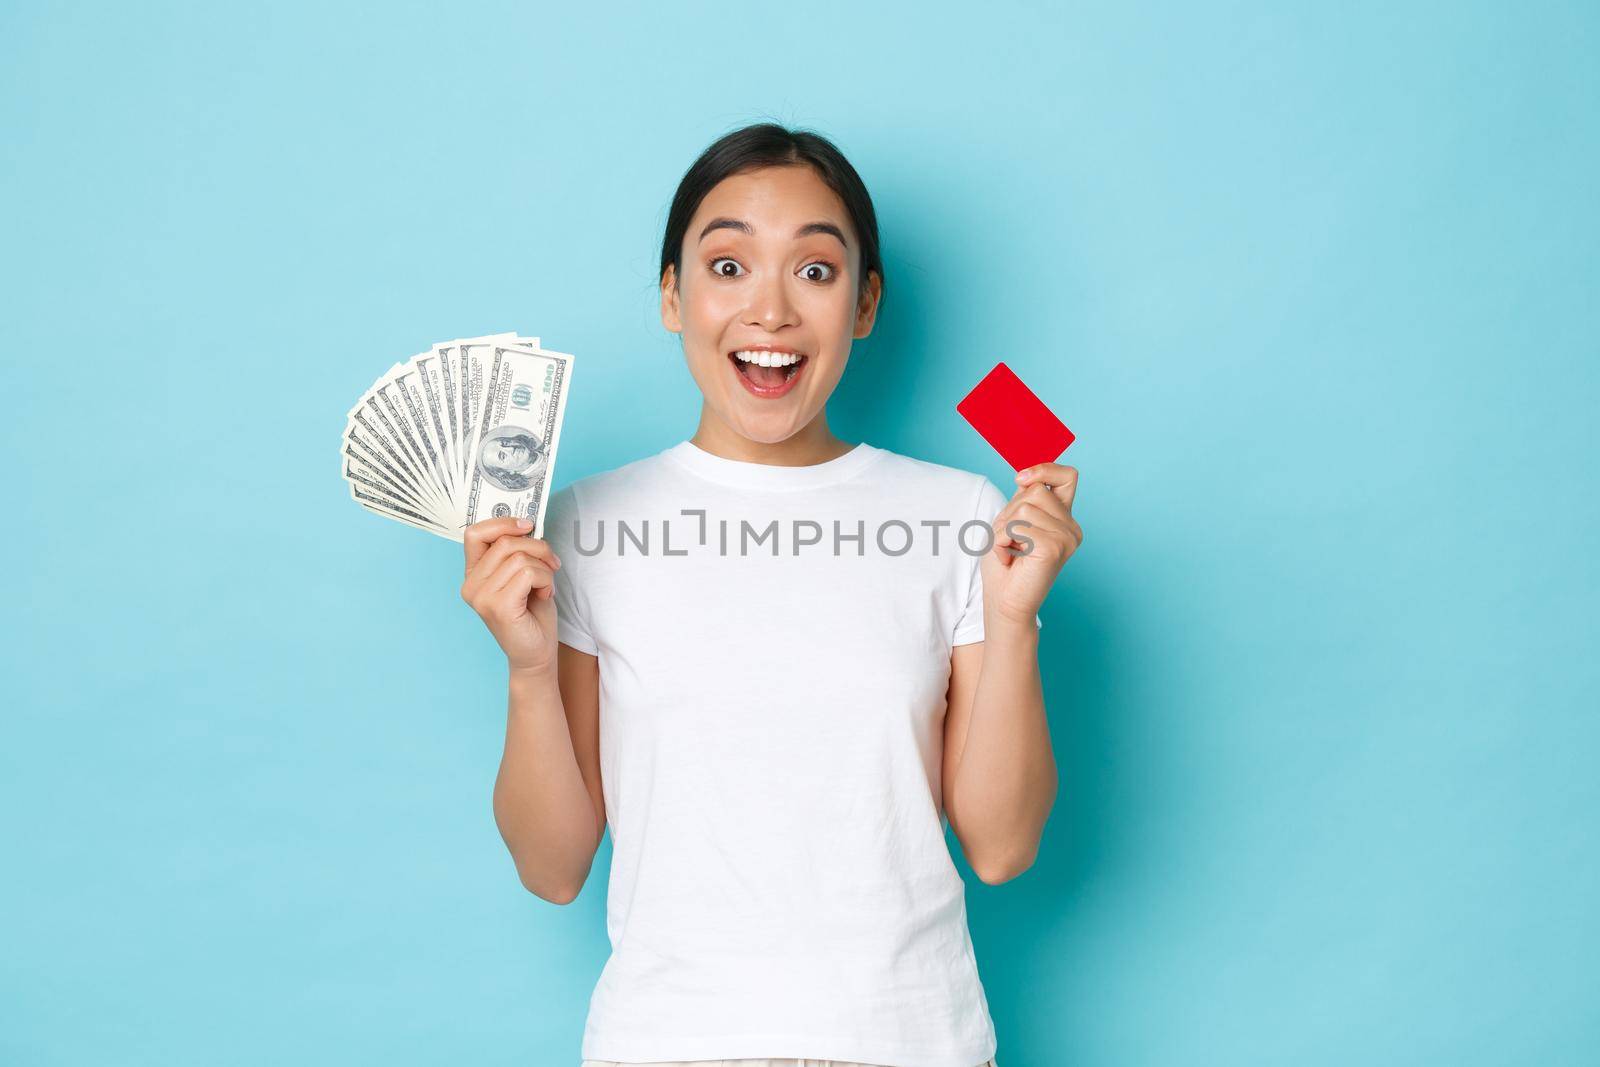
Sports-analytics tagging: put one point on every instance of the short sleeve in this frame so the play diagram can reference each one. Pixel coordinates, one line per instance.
(969, 627)
(561, 531)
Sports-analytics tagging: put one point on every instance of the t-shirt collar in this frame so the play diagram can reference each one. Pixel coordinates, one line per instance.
(743, 474)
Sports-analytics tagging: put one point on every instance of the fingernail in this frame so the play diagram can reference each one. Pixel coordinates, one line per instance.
(526, 524)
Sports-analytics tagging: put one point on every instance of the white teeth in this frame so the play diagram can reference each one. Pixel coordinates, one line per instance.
(768, 359)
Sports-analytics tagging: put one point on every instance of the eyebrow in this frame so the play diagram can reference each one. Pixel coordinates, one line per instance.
(809, 228)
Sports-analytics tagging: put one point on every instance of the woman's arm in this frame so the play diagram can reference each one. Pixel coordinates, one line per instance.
(547, 799)
(999, 772)
(548, 802)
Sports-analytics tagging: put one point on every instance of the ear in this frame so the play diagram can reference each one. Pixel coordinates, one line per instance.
(867, 305)
(669, 301)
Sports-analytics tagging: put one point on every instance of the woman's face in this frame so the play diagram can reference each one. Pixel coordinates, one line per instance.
(770, 261)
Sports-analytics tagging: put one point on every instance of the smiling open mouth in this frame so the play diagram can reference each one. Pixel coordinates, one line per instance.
(767, 374)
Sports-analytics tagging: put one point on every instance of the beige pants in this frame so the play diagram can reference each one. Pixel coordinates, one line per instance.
(761, 1062)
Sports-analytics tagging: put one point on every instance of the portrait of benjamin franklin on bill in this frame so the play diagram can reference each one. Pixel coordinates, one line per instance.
(512, 458)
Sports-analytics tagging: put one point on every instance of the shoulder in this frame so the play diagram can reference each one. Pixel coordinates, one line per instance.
(598, 493)
(960, 491)
(605, 493)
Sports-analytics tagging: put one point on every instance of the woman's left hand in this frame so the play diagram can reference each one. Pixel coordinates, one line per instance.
(1014, 586)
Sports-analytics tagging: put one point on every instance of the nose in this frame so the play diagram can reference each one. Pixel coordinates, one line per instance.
(770, 306)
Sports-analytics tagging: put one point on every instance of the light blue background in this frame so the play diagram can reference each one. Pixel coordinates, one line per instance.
(1316, 289)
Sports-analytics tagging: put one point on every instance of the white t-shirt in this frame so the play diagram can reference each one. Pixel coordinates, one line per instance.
(771, 716)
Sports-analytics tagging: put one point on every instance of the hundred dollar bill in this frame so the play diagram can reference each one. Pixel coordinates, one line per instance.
(403, 379)
(373, 426)
(432, 402)
(409, 449)
(378, 475)
(451, 361)
(372, 495)
(521, 398)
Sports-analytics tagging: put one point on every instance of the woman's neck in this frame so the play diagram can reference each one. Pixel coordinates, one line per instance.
(814, 444)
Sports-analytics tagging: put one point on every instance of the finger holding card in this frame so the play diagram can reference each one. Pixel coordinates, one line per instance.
(1061, 484)
(1061, 480)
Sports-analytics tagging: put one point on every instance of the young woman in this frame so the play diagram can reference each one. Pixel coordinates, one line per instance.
(778, 665)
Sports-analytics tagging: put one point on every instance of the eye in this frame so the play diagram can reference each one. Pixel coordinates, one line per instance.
(820, 264)
(722, 273)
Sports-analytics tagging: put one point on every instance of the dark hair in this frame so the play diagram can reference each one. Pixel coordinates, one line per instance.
(767, 144)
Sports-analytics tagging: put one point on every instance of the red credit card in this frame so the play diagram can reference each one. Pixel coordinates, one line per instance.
(1013, 420)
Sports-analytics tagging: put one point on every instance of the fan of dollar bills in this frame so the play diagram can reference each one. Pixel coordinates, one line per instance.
(464, 431)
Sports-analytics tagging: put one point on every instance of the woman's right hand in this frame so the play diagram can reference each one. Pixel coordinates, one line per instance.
(510, 584)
